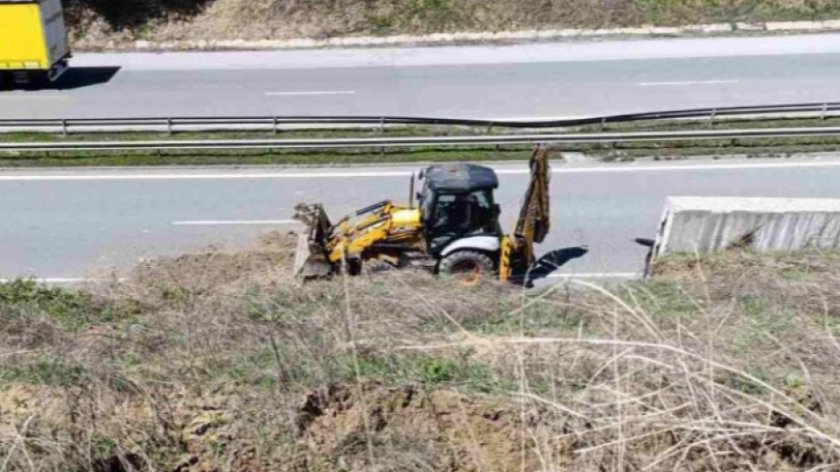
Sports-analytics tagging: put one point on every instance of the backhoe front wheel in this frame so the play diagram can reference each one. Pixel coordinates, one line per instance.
(468, 268)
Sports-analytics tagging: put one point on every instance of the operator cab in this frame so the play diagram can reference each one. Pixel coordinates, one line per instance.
(456, 201)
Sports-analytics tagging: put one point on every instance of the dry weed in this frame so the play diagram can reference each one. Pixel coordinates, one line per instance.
(224, 362)
(99, 24)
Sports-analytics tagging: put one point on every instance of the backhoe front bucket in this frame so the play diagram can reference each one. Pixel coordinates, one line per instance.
(311, 255)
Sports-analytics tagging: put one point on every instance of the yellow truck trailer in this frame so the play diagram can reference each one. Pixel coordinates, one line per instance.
(33, 40)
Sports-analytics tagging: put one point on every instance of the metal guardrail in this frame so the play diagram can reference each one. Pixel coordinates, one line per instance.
(276, 123)
(413, 142)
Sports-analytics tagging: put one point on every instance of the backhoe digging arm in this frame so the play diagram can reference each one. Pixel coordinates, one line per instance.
(533, 224)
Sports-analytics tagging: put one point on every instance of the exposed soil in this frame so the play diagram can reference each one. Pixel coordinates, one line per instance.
(222, 361)
(441, 429)
(341, 426)
(271, 259)
(338, 428)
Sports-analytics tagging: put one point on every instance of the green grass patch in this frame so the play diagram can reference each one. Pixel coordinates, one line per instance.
(662, 300)
(259, 158)
(73, 309)
(267, 368)
(429, 370)
(510, 319)
(54, 370)
(45, 370)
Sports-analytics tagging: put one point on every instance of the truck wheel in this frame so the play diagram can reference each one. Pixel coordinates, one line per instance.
(469, 268)
(38, 81)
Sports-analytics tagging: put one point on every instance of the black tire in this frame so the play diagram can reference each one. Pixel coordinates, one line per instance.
(29, 80)
(469, 268)
(38, 81)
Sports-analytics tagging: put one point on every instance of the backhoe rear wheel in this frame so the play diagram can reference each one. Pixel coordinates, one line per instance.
(468, 268)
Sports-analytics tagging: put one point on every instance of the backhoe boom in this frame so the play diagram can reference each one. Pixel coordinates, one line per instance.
(534, 222)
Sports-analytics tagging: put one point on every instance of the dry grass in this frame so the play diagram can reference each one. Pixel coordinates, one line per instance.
(223, 362)
(97, 22)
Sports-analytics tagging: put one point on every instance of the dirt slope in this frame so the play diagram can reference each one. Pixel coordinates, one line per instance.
(222, 361)
(96, 23)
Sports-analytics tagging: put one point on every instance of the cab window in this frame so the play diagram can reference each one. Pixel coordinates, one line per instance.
(461, 213)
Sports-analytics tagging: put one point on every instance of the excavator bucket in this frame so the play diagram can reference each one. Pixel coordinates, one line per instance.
(311, 255)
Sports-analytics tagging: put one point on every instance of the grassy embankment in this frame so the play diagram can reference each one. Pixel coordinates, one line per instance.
(115, 23)
(223, 362)
(670, 150)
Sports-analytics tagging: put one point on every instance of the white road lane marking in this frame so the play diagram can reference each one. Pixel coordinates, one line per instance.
(606, 275)
(537, 118)
(233, 176)
(235, 223)
(310, 93)
(687, 83)
(84, 280)
(11, 97)
(606, 169)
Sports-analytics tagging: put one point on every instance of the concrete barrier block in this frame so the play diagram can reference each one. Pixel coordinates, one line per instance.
(709, 224)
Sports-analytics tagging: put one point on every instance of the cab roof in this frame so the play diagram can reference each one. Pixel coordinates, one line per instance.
(461, 178)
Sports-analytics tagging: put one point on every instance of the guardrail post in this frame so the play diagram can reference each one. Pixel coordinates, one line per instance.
(712, 117)
(382, 132)
(603, 123)
(64, 128)
(169, 126)
(274, 125)
(824, 111)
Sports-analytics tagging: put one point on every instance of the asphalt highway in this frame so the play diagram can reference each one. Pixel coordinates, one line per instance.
(64, 225)
(544, 80)
(71, 224)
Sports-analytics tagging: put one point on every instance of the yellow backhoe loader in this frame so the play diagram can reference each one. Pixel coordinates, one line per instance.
(453, 230)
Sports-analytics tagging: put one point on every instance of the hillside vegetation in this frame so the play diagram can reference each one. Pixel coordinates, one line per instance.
(223, 362)
(95, 23)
